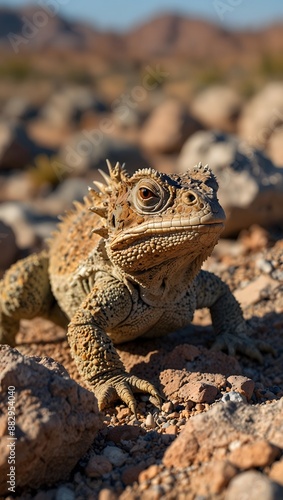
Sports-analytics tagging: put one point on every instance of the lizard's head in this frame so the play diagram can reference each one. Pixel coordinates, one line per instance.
(150, 217)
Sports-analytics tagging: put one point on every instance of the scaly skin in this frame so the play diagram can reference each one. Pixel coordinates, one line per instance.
(130, 269)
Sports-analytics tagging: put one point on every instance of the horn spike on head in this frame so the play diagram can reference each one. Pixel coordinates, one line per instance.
(101, 211)
(100, 186)
(102, 231)
(105, 176)
(110, 168)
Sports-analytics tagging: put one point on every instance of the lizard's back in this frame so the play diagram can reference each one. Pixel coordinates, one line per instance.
(72, 248)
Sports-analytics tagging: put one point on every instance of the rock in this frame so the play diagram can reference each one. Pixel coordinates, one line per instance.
(56, 420)
(131, 473)
(276, 472)
(257, 454)
(88, 150)
(243, 385)
(254, 486)
(150, 422)
(19, 108)
(275, 147)
(167, 128)
(124, 433)
(251, 187)
(17, 149)
(62, 197)
(262, 115)
(253, 292)
(66, 105)
(17, 187)
(218, 107)
(30, 226)
(200, 379)
(234, 397)
(199, 392)
(115, 455)
(64, 493)
(207, 433)
(148, 474)
(8, 246)
(97, 466)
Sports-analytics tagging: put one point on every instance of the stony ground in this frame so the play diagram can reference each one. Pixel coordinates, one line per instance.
(205, 394)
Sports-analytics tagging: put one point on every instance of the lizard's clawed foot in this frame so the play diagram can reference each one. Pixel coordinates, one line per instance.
(243, 344)
(122, 386)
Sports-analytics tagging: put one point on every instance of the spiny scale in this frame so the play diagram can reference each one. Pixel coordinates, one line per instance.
(101, 211)
(102, 231)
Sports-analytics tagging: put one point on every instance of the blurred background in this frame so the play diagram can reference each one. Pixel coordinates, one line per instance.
(159, 83)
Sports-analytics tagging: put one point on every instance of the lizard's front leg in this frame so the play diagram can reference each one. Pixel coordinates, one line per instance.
(93, 350)
(233, 332)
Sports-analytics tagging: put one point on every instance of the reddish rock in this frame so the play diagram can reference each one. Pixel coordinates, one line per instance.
(150, 473)
(276, 472)
(198, 392)
(124, 432)
(194, 386)
(251, 455)
(217, 107)
(254, 486)
(56, 420)
(97, 466)
(209, 434)
(131, 473)
(167, 128)
(8, 246)
(243, 385)
(252, 293)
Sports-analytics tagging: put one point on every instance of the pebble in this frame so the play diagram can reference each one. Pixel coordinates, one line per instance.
(150, 422)
(276, 472)
(236, 397)
(97, 466)
(171, 429)
(243, 385)
(115, 456)
(254, 486)
(257, 454)
(264, 265)
(149, 474)
(167, 407)
(64, 493)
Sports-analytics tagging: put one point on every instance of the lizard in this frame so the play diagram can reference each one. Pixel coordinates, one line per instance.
(126, 263)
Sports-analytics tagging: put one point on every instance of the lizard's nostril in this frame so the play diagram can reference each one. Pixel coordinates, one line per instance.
(190, 198)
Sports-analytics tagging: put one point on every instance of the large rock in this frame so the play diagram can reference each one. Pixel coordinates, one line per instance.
(67, 105)
(251, 187)
(31, 226)
(88, 150)
(275, 147)
(17, 149)
(256, 432)
(19, 108)
(167, 128)
(262, 115)
(9, 249)
(218, 107)
(56, 420)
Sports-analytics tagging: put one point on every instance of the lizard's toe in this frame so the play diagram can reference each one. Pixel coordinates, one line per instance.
(242, 344)
(122, 387)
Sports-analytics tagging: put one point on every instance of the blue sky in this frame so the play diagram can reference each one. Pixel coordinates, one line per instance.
(122, 14)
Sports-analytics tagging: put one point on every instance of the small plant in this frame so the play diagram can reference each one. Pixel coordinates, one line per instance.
(45, 171)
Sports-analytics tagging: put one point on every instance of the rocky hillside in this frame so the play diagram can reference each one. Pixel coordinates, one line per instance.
(166, 36)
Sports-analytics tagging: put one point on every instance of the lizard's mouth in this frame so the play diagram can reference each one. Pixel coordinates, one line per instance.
(166, 228)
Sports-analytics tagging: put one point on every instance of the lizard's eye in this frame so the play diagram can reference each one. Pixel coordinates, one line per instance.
(149, 196)
(146, 194)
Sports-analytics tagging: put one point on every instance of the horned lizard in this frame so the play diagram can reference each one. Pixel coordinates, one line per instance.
(127, 267)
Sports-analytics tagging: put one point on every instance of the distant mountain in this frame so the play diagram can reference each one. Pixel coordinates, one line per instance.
(166, 36)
